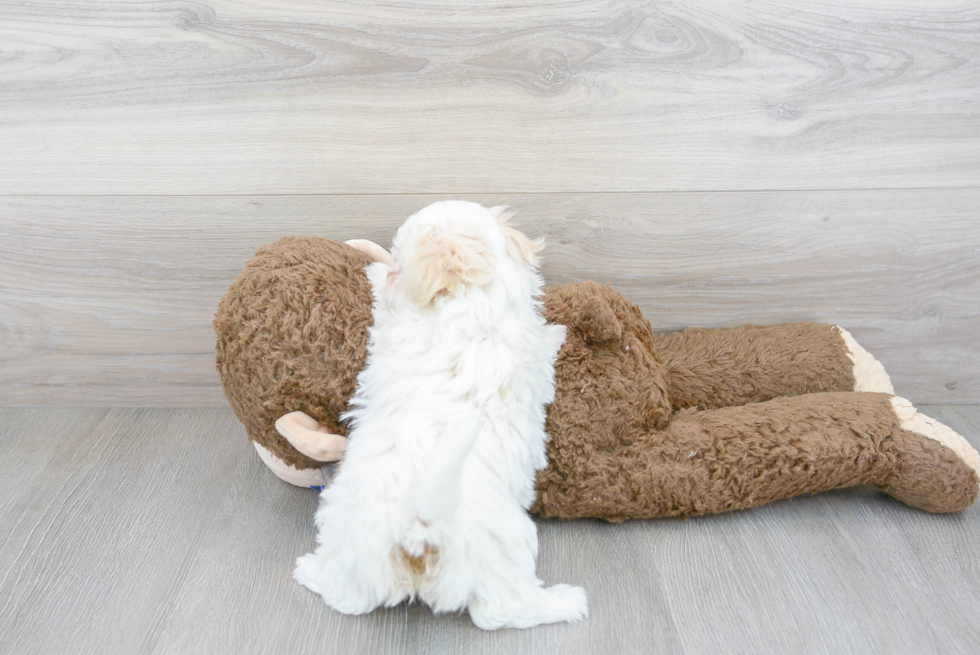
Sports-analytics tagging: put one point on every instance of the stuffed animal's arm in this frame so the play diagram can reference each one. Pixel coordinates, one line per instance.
(727, 367)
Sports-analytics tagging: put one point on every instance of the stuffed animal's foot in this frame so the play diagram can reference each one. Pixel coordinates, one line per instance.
(869, 374)
(935, 468)
(299, 477)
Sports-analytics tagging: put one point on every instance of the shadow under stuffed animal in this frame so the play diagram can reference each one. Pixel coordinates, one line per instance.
(642, 425)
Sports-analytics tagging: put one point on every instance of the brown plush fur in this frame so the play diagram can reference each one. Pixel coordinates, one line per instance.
(292, 335)
(642, 425)
(708, 369)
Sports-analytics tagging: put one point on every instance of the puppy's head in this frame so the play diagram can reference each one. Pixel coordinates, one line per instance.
(450, 247)
(445, 263)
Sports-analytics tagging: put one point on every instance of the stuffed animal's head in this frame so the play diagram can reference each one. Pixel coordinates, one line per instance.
(292, 336)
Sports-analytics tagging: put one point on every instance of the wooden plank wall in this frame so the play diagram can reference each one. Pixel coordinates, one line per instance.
(721, 163)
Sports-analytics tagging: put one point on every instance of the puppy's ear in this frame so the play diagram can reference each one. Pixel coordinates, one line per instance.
(518, 245)
(444, 263)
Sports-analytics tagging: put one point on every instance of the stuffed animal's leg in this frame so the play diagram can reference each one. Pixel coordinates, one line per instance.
(722, 368)
(718, 460)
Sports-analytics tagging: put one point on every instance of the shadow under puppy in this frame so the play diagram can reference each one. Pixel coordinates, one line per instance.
(447, 432)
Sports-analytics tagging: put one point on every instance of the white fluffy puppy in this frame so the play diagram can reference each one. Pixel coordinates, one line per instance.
(447, 430)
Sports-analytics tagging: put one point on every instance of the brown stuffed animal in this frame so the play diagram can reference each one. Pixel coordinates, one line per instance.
(642, 425)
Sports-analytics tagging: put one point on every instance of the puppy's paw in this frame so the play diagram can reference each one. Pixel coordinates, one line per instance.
(307, 572)
(566, 603)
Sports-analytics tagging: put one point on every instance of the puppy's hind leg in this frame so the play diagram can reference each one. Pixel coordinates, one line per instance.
(527, 606)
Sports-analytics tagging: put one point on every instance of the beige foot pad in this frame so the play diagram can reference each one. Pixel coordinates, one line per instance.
(299, 477)
(935, 469)
(310, 438)
(869, 374)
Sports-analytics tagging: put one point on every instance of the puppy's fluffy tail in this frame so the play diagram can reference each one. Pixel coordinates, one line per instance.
(434, 492)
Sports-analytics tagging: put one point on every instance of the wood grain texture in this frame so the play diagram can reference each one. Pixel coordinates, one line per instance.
(214, 96)
(160, 531)
(109, 300)
(103, 534)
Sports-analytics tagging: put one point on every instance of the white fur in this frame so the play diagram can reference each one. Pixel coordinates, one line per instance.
(447, 432)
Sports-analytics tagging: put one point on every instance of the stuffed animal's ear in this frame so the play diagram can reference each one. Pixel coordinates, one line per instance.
(444, 263)
(597, 322)
(518, 245)
(371, 249)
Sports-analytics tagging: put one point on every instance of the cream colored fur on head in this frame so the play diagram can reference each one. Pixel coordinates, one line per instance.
(444, 264)
(443, 252)
(447, 431)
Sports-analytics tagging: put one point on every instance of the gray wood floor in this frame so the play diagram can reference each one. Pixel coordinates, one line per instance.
(159, 531)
